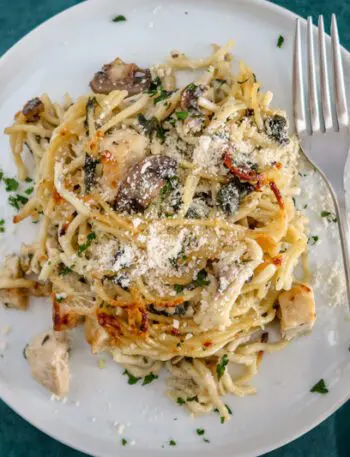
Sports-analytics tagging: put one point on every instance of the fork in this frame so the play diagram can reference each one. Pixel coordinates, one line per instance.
(329, 125)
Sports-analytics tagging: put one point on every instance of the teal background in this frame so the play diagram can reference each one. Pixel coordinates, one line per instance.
(17, 437)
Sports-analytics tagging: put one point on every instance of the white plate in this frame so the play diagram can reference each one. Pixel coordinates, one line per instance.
(61, 56)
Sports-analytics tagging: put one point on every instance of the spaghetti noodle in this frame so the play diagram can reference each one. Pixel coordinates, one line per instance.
(168, 227)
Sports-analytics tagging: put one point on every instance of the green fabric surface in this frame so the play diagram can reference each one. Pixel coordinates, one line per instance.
(20, 439)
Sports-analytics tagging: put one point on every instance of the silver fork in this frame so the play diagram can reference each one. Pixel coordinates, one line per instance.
(317, 127)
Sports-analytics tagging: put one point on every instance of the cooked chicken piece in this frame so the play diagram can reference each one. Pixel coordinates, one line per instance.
(120, 151)
(32, 109)
(25, 256)
(297, 311)
(14, 297)
(119, 75)
(47, 355)
(95, 335)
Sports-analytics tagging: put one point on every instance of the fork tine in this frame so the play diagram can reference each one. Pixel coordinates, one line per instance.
(326, 103)
(313, 97)
(339, 86)
(298, 88)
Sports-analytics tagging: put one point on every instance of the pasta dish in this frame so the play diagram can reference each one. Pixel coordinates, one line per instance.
(167, 227)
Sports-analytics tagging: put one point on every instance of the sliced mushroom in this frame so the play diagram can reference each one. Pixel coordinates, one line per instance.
(190, 95)
(119, 75)
(47, 355)
(32, 109)
(144, 182)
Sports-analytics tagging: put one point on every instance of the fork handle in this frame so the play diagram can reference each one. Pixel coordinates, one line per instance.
(344, 231)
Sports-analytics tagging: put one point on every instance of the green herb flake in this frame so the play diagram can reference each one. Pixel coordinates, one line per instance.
(200, 431)
(64, 270)
(229, 410)
(313, 240)
(59, 298)
(331, 217)
(195, 398)
(29, 190)
(2, 221)
(320, 387)
(164, 94)
(82, 247)
(156, 84)
(222, 419)
(180, 401)
(280, 41)
(178, 288)
(28, 179)
(201, 280)
(2, 229)
(17, 201)
(124, 442)
(119, 18)
(149, 378)
(172, 443)
(1, 175)
(132, 379)
(101, 363)
(221, 366)
(11, 185)
(206, 440)
(181, 115)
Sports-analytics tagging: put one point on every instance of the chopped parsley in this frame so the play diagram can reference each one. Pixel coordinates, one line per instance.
(2, 223)
(28, 179)
(221, 366)
(164, 94)
(156, 84)
(17, 200)
(82, 247)
(195, 398)
(119, 18)
(181, 115)
(124, 442)
(132, 379)
(152, 125)
(320, 387)
(313, 239)
(201, 280)
(1, 175)
(59, 298)
(280, 41)
(169, 186)
(200, 431)
(229, 410)
(222, 419)
(11, 185)
(180, 401)
(29, 190)
(172, 443)
(149, 378)
(64, 270)
(206, 440)
(178, 288)
(331, 217)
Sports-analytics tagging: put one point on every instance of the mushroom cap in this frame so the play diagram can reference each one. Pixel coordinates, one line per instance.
(119, 75)
(143, 183)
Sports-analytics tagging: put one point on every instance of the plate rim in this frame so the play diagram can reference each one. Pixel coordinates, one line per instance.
(5, 393)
